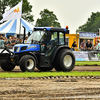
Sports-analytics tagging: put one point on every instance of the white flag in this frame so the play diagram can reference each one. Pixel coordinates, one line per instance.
(13, 13)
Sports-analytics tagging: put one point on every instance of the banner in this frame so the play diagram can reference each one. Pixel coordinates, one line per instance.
(87, 34)
(87, 55)
(81, 56)
(13, 13)
(94, 55)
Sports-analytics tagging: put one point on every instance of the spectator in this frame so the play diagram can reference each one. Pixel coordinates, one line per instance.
(26, 37)
(1, 42)
(5, 41)
(82, 46)
(74, 46)
(20, 41)
(95, 45)
(89, 46)
(92, 42)
(17, 40)
(13, 41)
(0, 36)
(98, 45)
(9, 41)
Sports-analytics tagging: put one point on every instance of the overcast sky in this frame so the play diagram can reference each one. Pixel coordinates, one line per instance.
(69, 12)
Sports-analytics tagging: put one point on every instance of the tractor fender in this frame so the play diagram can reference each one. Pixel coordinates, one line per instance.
(56, 50)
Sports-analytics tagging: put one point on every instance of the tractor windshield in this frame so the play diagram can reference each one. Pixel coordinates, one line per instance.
(36, 35)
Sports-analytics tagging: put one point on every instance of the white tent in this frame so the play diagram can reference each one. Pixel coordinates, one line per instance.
(12, 27)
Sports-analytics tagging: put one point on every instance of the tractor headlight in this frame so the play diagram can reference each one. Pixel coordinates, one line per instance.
(18, 49)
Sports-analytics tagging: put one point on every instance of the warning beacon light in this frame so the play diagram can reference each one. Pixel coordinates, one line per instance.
(66, 27)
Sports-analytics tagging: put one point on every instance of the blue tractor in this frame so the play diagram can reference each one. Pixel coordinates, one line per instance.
(44, 49)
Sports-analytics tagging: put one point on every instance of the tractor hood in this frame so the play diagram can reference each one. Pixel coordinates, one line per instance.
(19, 48)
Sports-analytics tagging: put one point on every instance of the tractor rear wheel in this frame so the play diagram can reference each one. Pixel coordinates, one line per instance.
(7, 66)
(56, 66)
(27, 63)
(65, 60)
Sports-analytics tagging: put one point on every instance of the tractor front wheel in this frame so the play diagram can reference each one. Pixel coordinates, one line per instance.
(7, 66)
(27, 63)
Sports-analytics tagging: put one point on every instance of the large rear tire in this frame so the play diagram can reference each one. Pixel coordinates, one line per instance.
(27, 63)
(65, 60)
(7, 66)
(56, 66)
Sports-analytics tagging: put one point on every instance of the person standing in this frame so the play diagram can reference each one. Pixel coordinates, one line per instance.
(82, 46)
(89, 45)
(95, 45)
(5, 41)
(1, 42)
(74, 46)
(20, 41)
(13, 42)
(98, 45)
(9, 41)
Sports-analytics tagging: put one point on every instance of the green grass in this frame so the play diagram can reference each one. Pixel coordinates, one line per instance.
(87, 63)
(42, 74)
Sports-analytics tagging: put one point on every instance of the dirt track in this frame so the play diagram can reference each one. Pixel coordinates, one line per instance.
(51, 89)
(77, 68)
(55, 89)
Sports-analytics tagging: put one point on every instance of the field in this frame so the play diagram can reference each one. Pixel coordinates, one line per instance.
(86, 71)
(50, 89)
(87, 63)
(83, 83)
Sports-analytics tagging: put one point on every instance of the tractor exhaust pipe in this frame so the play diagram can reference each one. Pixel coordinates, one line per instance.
(24, 34)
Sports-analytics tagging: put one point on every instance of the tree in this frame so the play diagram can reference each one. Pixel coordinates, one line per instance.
(26, 8)
(0, 11)
(48, 19)
(92, 24)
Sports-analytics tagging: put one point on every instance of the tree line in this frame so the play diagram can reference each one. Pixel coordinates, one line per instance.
(48, 18)
(92, 24)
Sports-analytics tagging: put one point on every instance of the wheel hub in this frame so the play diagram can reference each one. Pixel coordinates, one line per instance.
(30, 64)
(67, 61)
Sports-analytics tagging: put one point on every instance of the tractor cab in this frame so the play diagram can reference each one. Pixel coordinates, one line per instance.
(48, 38)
